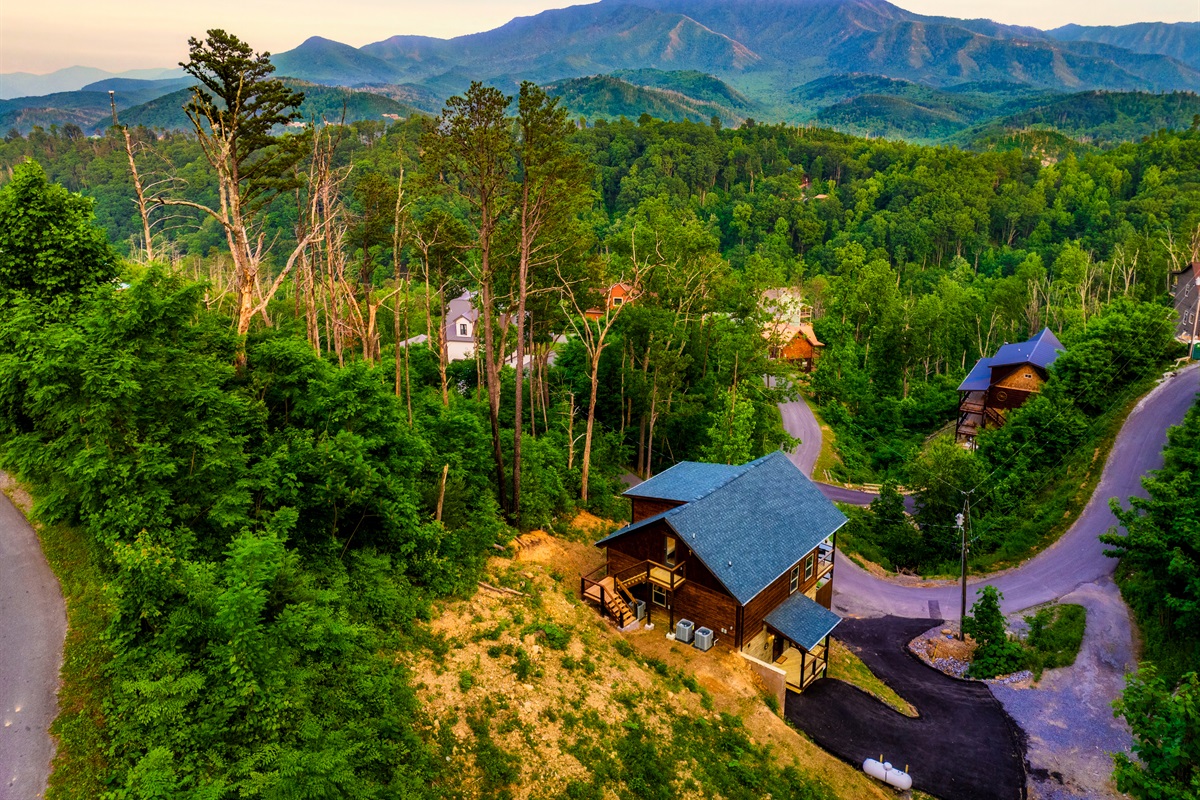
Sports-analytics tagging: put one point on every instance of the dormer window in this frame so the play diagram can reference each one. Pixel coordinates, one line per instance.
(462, 329)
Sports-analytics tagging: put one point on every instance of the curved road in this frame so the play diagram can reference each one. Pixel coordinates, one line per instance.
(1077, 558)
(33, 626)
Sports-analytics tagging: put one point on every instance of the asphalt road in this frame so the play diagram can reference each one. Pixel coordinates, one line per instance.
(961, 745)
(33, 626)
(798, 420)
(1077, 558)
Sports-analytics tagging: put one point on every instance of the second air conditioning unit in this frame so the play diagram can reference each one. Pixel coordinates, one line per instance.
(684, 630)
(704, 639)
(639, 609)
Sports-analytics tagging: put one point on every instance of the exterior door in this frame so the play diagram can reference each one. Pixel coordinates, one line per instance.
(669, 556)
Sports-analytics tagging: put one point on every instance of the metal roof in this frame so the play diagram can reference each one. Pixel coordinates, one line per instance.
(687, 481)
(753, 527)
(804, 622)
(1041, 351)
(980, 377)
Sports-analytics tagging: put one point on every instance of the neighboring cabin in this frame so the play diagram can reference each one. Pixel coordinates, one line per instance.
(1004, 382)
(1186, 294)
(461, 316)
(617, 294)
(745, 550)
(794, 343)
(789, 333)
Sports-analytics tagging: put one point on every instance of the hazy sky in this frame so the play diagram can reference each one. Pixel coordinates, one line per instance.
(45, 35)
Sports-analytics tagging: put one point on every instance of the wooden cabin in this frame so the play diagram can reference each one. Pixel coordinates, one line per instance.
(617, 294)
(997, 385)
(795, 343)
(745, 550)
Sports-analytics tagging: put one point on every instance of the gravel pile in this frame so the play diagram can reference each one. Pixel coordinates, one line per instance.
(932, 646)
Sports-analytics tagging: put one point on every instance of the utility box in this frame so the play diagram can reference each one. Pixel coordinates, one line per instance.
(639, 609)
(684, 629)
(704, 639)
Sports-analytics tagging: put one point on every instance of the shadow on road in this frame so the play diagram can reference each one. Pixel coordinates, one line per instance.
(963, 746)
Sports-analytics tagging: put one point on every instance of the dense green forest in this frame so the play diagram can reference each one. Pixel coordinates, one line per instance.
(272, 486)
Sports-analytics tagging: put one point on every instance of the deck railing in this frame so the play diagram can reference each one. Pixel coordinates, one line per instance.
(653, 572)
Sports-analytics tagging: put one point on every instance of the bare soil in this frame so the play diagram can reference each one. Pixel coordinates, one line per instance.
(533, 719)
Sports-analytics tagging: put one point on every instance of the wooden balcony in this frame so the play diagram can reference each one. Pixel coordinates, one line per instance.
(670, 578)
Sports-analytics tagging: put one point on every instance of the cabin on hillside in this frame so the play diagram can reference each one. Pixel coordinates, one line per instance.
(1186, 293)
(461, 316)
(1004, 382)
(745, 551)
(794, 343)
(617, 294)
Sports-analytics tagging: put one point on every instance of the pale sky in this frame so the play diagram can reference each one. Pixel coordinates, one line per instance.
(45, 35)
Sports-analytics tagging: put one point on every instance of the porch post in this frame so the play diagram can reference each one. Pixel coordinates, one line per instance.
(803, 665)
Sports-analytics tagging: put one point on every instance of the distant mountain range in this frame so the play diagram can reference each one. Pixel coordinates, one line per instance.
(72, 79)
(862, 65)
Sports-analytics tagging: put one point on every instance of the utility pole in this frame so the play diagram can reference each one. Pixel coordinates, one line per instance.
(1196, 314)
(112, 101)
(960, 520)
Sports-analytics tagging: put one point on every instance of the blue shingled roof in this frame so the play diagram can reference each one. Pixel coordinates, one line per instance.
(633, 526)
(687, 481)
(752, 528)
(980, 377)
(804, 622)
(1041, 351)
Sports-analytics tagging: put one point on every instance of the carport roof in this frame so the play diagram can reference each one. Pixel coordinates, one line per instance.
(804, 622)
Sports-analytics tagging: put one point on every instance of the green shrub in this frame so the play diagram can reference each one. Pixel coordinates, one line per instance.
(995, 653)
(1055, 636)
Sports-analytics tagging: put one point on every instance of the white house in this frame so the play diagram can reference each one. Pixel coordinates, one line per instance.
(461, 316)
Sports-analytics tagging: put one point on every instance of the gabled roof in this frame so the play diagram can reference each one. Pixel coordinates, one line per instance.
(687, 481)
(748, 524)
(1041, 351)
(461, 307)
(804, 622)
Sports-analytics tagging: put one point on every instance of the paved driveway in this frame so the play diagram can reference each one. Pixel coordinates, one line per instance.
(962, 746)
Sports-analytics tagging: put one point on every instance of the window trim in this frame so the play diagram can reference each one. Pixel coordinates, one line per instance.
(657, 592)
(670, 551)
(809, 563)
(462, 329)
(794, 580)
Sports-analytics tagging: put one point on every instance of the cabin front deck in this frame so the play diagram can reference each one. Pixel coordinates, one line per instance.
(802, 666)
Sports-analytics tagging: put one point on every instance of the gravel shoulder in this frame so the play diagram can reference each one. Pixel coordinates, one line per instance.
(33, 627)
(1068, 716)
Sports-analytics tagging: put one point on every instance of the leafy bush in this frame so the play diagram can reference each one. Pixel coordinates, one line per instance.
(1055, 635)
(995, 653)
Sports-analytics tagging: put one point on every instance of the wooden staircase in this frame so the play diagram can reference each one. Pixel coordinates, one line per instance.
(612, 597)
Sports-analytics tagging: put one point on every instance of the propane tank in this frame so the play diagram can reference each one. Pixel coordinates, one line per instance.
(884, 771)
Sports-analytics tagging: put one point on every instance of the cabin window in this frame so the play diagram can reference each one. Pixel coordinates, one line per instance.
(462, 329)
(670, 556)
(808, 567)
(658, 596)
(794, 580)
(617, 301)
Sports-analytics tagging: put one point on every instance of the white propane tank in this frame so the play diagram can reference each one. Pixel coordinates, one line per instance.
(884, 771)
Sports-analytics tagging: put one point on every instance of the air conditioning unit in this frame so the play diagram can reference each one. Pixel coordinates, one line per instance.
(704, 639)
(684, 630)
(639, 609)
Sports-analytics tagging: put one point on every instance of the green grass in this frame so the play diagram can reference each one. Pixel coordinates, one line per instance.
(846, 666)
(1055, 636)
